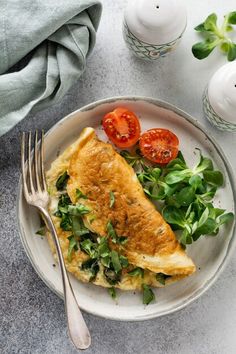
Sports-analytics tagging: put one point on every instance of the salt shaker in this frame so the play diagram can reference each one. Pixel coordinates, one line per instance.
(153, 28)
(219, 99)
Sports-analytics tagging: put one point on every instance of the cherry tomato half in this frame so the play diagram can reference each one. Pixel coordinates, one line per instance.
(159, 145)
(122, 127)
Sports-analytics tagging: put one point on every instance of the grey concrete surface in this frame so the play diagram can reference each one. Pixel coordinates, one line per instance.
(32, 317)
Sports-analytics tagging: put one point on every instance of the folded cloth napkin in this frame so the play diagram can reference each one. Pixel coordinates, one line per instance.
(52, 38)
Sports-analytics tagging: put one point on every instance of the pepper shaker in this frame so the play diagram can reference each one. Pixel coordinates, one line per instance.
(219, 99)
(153, 28)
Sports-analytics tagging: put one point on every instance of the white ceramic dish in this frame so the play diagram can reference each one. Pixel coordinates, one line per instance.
(210, 254)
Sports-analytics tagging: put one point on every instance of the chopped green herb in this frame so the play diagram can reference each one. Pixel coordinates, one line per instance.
(112, 292)
(90, 248)
(116, 261)
(66, 222)
(148, 294)
(79, 194)
(123, 240)
(62, 181)
(73, 246)
(78, 209)
(92, 266)
(78, 227)
(137, 272)
(112, 199)
(161, 278)
(41, 231)
(124, 261)
(111, 232)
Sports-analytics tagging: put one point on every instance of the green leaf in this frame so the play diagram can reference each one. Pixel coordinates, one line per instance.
(214, 178)
(89, 247)
(78, 209)
(232, 18)
(210, 23)
(229, 28)
(92, 266)
(78, 227)
(224, 47)
(112, 199)
(65, 223)
(73, 246)
(186, 238)
(232, 52)
(148, 295)
(116, 261)
(111, 232)
(204, 164)
(41, 231)
(136, 272)
(186, 196)
(62, 181)
(195, 181)
(177, 176)
(203, 217)
(200, 28)
(124, 261)
(103, 248)
(112, 292)
(207, 228)
(173, 215)
(202, 50)
(225, 218)
(161, 278)
(79, 194)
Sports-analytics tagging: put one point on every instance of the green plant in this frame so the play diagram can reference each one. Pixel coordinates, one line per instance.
(216, 36)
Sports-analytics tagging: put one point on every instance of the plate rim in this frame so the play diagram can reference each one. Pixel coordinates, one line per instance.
(232, 242)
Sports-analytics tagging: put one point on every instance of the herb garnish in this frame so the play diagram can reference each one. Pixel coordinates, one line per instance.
(62, 181)
(114, 237)
(73, 246)
(41, 231)
(137, 272)
(148, 294)
(187, 195)
(161, 278)
(216, 36)
(112, 292)
(79, 194)
(112, 199)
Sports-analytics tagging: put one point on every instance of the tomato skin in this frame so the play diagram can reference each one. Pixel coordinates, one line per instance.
(159, 145)
(122, 127)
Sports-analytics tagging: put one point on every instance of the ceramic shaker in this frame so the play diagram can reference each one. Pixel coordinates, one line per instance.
(219, 99)
(153, 28)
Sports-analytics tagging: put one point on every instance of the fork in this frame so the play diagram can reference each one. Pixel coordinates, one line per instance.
(35, 192)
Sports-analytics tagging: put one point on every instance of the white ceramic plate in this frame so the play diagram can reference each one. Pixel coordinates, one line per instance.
(209, 253)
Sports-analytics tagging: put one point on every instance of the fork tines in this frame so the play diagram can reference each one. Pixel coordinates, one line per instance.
(32, 164)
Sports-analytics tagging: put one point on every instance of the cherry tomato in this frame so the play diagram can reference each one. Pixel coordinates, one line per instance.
(159, 145)
(122, 127)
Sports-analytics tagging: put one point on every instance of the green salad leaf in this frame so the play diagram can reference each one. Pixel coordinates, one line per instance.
(214, 36)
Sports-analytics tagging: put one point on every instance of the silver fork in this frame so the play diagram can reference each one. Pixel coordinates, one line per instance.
(35, 192)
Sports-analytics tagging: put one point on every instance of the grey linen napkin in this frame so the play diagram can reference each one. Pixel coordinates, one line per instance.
(53, 37)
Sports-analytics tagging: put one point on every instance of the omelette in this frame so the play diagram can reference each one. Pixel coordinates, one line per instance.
(110, 233)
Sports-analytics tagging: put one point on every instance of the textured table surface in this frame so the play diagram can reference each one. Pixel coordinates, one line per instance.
(32, 317)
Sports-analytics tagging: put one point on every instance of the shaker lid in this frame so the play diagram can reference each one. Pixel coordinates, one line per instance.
(156, 21)
(222, 92)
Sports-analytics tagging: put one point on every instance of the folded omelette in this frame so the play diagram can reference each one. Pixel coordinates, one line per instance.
(110, 233)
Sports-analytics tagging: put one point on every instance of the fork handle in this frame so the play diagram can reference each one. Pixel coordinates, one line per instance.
(78, 329)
